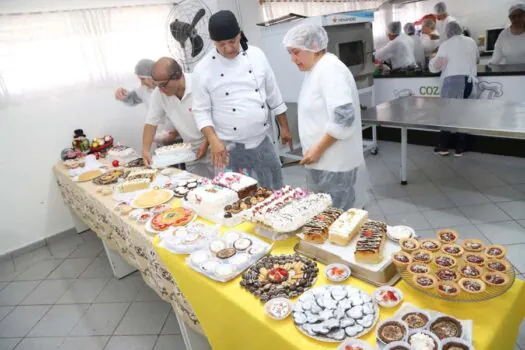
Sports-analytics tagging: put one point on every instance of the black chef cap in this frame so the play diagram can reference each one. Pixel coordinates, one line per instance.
(223, 26)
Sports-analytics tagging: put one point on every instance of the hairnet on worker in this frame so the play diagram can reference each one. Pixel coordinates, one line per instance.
(307, 36)
(144, 67)
(409, 28)
(520, 6)
(429, 23)
(453, 29)
(394, 28)
(440, 7)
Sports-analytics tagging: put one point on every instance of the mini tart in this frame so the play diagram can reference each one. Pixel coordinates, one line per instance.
(415, 319)
(445, 261)
(472, 286)
(448, 289)
(418, 268)
(401, 259)
(422, 256)
(425, 281)
(471, 271)
(475, 259)
(446, 327)
(409, 244)
(495, 251)
(391, 331)
(495, 279)
(473, 245)
(497, 265)
(447, 236)
(447, 275)
(432, 245)
(453, 250)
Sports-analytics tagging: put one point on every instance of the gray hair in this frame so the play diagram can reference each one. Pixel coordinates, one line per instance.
(440, 7)
(144, 67)
(394, 28)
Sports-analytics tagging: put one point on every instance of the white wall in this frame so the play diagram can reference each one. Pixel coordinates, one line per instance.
(248, 14)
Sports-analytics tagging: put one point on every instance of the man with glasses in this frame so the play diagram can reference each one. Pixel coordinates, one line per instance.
(172, 100)
(235, 90)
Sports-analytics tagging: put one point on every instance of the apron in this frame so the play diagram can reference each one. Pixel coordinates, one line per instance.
(457, 86)
(261, 163)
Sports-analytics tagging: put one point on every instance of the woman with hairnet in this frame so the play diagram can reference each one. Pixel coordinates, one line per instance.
(417, 46)
(398, 50)
(443, 20)
(429, 37)
(329, 119)
(457, 60)
(510, 46)
(142, 94)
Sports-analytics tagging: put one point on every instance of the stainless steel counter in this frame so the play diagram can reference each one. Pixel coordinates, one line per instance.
(479, 117)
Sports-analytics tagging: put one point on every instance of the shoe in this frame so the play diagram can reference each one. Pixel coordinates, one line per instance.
(459, 153)
(441, 151)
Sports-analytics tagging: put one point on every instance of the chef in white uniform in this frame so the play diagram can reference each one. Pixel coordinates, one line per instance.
(399, 50)
(429, 37)
(142, 94)
(457, 60)
(172, 101)
(443, 19)
(329, 119)
(510, 46)
(419, 51)
(234, 91)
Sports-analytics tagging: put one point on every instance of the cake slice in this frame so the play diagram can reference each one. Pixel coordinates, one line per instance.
(347, 226)
(369, 246)
(244, 185)
(133, 185)
(142, 174)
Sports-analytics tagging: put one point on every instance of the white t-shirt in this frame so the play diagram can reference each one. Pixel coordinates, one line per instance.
(179, 113)
(399, 51)
(462, 56)
(329, 85)
(509, 48)
(441, 27)
(417, 47)
(235, 95)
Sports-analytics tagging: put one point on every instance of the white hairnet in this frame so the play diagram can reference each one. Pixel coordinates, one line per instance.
(409, 28)
(306, 36)
(429, 23)
(394, 28)
(144, 67)
(453, 29)
(513, 8)
(440, 7)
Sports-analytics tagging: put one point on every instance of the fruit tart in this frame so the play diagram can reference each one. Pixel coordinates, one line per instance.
(425, 281)
(446, 327)
(409, 244)
(498, 265)
(495, 251)
(422, 256)
(401, 259)
(418, 268)
(475, 259)
(472, 286)
(495, 279)
(448, 289)
(473, 245)
(453, 249)
(470, 271)
(432, 245)
(445, 261)
(447, 236)
(447, 275)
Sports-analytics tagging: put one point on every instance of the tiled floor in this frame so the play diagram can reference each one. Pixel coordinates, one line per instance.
(63, 296)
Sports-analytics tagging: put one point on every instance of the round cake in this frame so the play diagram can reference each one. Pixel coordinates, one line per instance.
(171, 217)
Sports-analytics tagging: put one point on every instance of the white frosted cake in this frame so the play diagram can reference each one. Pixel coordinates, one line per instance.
(172, 150)
(142, 174)
(121, 151)
(211, 198)
(347, 226)
(133, 185)
(242, 184)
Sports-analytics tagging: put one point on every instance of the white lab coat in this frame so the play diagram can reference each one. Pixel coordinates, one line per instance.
(509, 48)
(235, 95)
(429, 45)
(462, 56)
(417, 47)
(441, 27)
(399, 51)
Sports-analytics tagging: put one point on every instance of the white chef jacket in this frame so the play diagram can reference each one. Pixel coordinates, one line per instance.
(417, 47)
(429, 45)
(462, 54)
(178, 112)
(399, 51)
(144, 93)
(234, 96)
(509, 48)
(441, 27)
(328, 85)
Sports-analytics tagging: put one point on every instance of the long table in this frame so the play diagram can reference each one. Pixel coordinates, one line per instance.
(478, 117)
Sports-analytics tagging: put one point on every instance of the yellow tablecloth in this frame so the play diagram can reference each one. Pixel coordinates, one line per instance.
(232, 318)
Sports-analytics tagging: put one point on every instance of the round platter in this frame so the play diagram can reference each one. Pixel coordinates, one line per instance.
(335, 313)
(109, 177)
(489, 292)
(152, 198)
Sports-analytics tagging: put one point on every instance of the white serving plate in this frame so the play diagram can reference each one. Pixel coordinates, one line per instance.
(170, 240)
(164, 161)
(216, 217)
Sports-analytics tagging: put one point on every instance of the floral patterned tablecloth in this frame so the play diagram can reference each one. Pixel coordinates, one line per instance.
(126, 237)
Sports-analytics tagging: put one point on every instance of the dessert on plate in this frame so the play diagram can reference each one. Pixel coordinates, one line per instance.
(498, 265)
(447, 236)
(470, 271)
(391, 330)
(244, 185)
(211, 198)
(453, 249)
(432, 245)
(473, 245)
(401, 259)
(448, 275)
(446, 327)
(142, 174)
(475, 259)
(422, 256)
(409, 244)
(445, 261)
(370, 243)
(347, 226)
(247, 203)
(495, 251)
(495, 279)
(425, 281)
(418, 268)
(448, 289)
(171, 217)
(423, 340)
(133, 185)
(473, 286)
(416, 319)
(316, 230)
